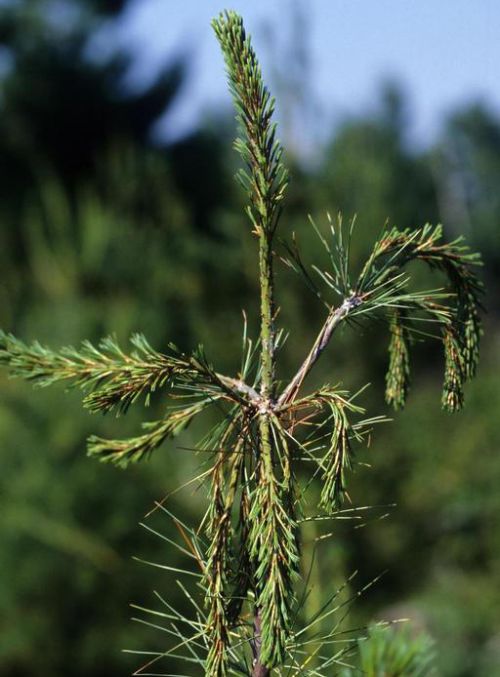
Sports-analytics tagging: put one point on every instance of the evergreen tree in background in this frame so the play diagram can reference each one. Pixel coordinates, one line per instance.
(77, 145)
(269, 428)
(60, 108)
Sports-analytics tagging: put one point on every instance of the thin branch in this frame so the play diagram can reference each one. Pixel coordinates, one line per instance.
(114, 379)
(334, 318)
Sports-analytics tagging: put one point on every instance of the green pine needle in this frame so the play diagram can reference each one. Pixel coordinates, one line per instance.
(265, 177)
(135, 449)
(397, 380)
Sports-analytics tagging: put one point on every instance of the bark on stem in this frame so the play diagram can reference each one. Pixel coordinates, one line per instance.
(266, 390)
(334, 318)
(259, 670)
(266, 314)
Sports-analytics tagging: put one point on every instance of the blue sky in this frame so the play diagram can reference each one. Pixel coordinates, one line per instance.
(444, 52)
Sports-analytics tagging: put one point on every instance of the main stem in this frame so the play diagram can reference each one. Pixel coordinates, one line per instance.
(267, 392)
(259, 670)
(266, 315)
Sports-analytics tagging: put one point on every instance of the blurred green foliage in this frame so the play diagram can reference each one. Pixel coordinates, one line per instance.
(390, 652)
(102, 231)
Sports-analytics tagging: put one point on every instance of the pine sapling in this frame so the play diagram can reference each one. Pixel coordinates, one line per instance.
(251, 561)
